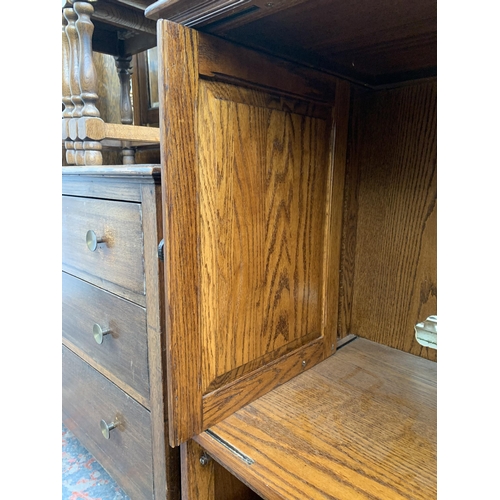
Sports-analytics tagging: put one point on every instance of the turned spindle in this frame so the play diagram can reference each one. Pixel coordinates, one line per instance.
(66, 95)
(88, 79)
(124, 70)
(93, 155)
(79, 153)
(88, 75)
(70, 152)
(66, 89)
(75, 108)
(74, 66)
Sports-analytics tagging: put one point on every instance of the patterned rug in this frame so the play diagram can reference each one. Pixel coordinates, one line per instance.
(82, 476)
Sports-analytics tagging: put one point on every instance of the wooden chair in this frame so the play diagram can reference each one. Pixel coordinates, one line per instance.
(117, 29)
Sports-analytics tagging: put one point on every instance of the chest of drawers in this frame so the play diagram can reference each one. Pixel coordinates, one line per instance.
(112, 325)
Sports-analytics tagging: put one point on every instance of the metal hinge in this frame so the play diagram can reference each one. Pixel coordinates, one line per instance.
(161, 252)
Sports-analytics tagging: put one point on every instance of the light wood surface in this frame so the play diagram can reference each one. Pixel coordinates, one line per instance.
(248, 188)
(389, 262)
(261, 234)
(178, 76)
(359, 425)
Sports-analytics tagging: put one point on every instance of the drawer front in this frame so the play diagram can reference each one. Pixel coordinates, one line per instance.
(116, 263)
(123, 352)
(88, 397)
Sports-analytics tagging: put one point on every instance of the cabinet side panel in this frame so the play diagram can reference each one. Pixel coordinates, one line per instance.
(389, 262)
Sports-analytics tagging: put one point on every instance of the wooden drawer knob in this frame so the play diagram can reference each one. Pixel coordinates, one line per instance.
(99, 333)
(107, 428)
(93, 240)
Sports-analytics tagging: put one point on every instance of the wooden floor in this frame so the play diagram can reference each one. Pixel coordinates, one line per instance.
(360, 425)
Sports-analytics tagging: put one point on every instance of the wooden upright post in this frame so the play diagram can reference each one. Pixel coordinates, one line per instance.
(87, 77)
(124, 70)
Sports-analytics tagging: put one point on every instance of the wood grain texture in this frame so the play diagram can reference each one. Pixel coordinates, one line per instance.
(198, 481)
(223, 401)
(166, 464)
(361, 424)
(123, 188)
(228, 61)
(96, 129)
(89, 397)
(178, 79)
(124, 351)
(116, 182)
(247, 198)
(126, 19)
(117, 264)
(210, 481)
(262, 199)
(389, 266)
(334, 219)
(370, 42)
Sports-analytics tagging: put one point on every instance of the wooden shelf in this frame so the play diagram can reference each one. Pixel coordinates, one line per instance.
(361, 424)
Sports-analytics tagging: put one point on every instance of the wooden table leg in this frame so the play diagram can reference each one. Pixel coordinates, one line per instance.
(124, 70)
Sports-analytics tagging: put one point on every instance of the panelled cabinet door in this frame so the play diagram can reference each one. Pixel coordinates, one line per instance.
(253, 159)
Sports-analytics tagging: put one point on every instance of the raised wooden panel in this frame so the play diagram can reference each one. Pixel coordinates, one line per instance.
(389, 262)
(261, 235)
(248, 176)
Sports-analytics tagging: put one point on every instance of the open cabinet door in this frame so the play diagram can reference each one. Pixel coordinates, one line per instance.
(253, 161)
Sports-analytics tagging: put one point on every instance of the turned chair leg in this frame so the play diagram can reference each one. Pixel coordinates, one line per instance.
(79, 83)
(124, 70)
